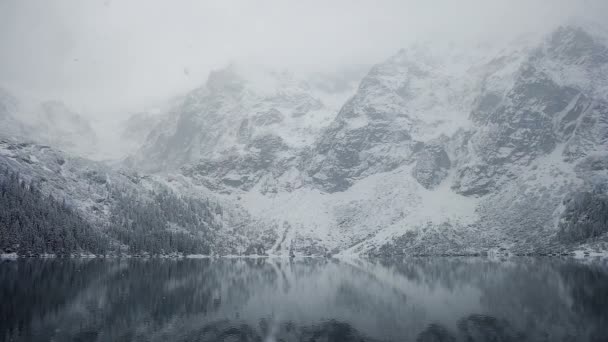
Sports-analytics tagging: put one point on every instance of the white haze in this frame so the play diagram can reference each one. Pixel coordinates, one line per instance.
(107, 59)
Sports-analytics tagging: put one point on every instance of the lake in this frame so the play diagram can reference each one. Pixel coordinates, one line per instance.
(417, 299)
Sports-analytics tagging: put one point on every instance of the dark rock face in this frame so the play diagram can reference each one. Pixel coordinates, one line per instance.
(585, 216)
(432, 166)
(305, 105)
(171, 148)
(364, 139)
(517, 130)
(244, 132)
(343, 154)
(592, 163)
(270, 117)
(267, 147)
(241, 171)
(476, 180)
(534, 116)
(589, 133)
(575, 45)
(569, 120)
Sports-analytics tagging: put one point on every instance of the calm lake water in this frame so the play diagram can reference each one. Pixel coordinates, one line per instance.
(422, 299)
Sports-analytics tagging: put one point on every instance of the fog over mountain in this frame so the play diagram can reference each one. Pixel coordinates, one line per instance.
(105, 55)
(305, 128)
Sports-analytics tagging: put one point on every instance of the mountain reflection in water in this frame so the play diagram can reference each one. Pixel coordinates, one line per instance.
(420, 299)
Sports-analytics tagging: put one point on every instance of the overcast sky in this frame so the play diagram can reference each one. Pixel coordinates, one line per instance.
(113, 56)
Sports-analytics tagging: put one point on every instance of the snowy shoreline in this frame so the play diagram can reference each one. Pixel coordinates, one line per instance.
(573, 255)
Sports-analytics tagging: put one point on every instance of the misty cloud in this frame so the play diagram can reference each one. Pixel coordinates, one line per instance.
(109, 56)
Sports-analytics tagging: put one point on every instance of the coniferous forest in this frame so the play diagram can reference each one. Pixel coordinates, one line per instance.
(32, 223)
(166, 224)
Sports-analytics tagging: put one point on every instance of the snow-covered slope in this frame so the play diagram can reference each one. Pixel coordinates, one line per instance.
(99, 193)
(241, 124)
(419, 95)
(456, 150)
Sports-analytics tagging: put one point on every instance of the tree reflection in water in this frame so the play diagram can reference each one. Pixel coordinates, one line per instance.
(421, 299)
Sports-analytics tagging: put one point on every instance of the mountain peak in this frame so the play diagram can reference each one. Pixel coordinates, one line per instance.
(575, 44)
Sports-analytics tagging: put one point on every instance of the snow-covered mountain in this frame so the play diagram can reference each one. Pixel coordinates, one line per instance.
(242, 124)
(440, 149)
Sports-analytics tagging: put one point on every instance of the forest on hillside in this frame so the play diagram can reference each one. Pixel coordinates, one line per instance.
(32, 223)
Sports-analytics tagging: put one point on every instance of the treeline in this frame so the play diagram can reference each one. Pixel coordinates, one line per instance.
(33, 224)
(164, 224)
